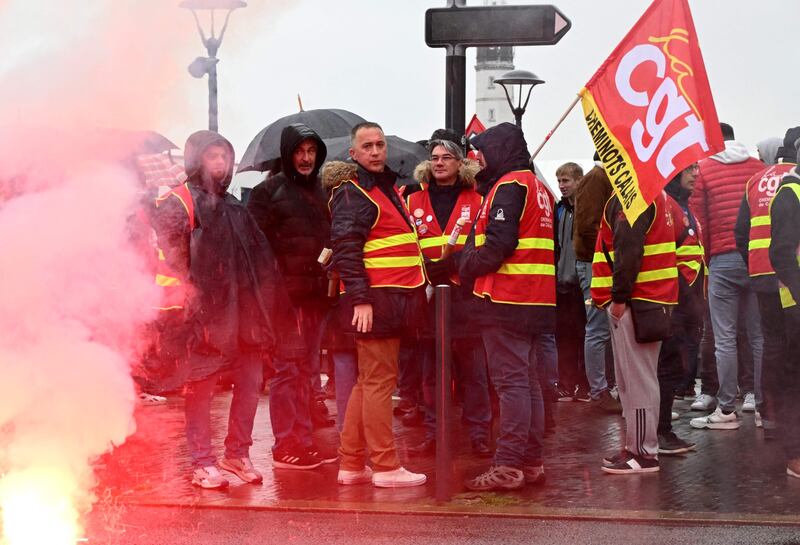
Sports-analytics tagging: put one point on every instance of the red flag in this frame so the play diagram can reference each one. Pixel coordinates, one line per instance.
(474, 127)
(649, 107)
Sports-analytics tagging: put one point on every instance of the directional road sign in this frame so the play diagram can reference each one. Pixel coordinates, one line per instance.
(476, 26)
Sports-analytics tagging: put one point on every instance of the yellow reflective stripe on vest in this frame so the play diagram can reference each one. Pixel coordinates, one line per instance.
(602, 281)
(658, 274)
(526, 268)
(532, 243)
(758, 244)
(649, 249)
(760, 221)
(430, 242)
(685, 251)
(390, 262)
(167, 281)
(388, 242)
(786, 297)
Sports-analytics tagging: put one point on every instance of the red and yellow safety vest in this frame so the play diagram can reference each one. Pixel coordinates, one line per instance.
(657, 280)
(760, 191)
(431, 237)
(392, 257)
(688, 248)
(174, 291)
(786, 296)
(528, 276)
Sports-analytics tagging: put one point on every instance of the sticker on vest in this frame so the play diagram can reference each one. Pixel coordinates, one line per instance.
(419, 212)
(466, 212)
(691, 232)
(429, 218)
(423, 229)
(686, 223)
(500, 216)
(418, 223)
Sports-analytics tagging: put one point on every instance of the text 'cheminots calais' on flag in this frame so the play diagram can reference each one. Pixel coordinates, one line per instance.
(649, 107)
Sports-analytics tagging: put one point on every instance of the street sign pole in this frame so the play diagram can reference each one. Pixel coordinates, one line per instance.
(455, 89)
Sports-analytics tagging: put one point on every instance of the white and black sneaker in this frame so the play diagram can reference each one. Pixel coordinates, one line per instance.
(631, 464)
(295, 459)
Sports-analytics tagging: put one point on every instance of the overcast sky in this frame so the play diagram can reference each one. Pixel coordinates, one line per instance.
(370, 57)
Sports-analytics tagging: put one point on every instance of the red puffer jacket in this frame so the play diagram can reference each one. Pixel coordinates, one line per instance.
(718, 193)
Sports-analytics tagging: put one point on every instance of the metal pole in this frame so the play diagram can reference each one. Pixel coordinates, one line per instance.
(213, 124)
(456, 89)
(518, 116)
(444, 467)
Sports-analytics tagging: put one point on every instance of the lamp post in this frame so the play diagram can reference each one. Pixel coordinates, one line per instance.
(208, 65)
(522, 78)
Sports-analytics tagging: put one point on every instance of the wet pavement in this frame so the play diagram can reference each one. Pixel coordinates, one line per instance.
(733, 476)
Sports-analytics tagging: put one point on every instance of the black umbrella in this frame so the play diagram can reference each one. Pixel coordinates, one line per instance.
(265, 149)
(402, 155)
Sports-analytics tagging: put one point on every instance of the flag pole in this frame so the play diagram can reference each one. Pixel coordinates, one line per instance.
(558, 124)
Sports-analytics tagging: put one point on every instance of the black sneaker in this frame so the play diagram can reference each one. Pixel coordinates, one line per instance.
(324, 456)
(405, 405)
(533, 474)
(631, 464)
(669, 443)
(607, 403)
(294, 459)
(615, 458)
(582, 394)
(563, 393)
(426, 448)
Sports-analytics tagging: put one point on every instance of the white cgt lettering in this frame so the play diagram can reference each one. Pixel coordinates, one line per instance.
(665, 97)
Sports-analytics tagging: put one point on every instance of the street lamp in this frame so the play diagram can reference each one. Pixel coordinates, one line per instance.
(208, 65)
(521, 78)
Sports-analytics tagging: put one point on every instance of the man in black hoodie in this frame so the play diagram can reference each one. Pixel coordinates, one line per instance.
(510, 256)
(213, 246)
(784, 255)
(290, 209)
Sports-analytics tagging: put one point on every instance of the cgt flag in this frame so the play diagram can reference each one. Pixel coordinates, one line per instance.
(649, 107)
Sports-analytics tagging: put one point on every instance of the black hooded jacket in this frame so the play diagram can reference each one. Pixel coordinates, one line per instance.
(505, 150)
(292, 211)
(785, 214)
(396, 311)
(228, 264)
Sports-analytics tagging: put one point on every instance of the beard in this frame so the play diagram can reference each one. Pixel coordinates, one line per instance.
(215, 183)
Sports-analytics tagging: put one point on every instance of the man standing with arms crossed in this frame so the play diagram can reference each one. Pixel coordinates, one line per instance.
(377, 256)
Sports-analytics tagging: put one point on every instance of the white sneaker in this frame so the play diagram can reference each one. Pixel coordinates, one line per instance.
(209, 477)
(400, 477)
(759, 421)
(717, 421)
(355, 477)
(675, 415)
(704, 402)
(749, 404)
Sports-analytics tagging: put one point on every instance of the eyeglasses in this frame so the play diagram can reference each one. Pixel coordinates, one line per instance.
(692, 168)
(444, 158)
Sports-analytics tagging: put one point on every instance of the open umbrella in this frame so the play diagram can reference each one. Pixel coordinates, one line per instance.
(402, 155)
(265, 149)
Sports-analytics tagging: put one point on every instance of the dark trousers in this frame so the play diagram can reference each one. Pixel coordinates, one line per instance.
(773, 327)
(789, 372)
(570, 333)
(709, 383)
(409, 379)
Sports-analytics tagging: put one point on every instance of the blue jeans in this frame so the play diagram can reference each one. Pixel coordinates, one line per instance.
(729, 296)
(511, 358)
(246, 374)
(597, 335)
(470, 359)
(290, 388)
(345, 364)
(547, 362)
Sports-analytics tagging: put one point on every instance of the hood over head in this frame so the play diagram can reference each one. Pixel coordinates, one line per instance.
(291, 137)
(788, 151)
(467, 172)
(768, 150)
(197, 143)
(504, 149)
(734, 152)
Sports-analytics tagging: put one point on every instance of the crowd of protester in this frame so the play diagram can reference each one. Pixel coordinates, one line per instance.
(553, 302)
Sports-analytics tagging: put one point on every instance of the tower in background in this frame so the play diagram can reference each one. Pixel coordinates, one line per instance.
(490, 99)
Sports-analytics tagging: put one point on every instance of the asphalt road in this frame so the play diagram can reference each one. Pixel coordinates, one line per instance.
(125, 525)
